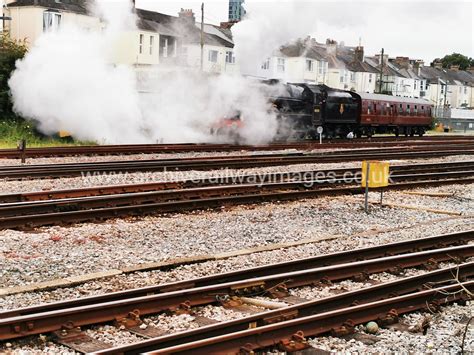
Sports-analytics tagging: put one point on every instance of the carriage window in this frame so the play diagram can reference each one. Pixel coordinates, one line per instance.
(401, 108)
(391, 109)
(375, 108)
(416, 109)
(408, 109)
(369, 108)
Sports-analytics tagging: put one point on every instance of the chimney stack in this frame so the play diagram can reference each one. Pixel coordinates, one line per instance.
(437, 64)
(359, 54)
(187, 15)
(403, 62)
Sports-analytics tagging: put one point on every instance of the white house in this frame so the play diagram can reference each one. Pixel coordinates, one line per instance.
(297, 62)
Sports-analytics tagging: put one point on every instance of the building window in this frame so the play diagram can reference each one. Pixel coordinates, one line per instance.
(414, 85)
(460, 88)
(321, 67)
(212, 57)
(229, 57)
(442, 89)
(152, 44)
(465, 90)
(309, 65)
(142, 39)
(352, 76)
(370, 78)
(281, 65)
(266, 64)
(51, 20)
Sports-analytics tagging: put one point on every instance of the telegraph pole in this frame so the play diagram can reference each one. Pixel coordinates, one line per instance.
(202, 37)
(381, 73)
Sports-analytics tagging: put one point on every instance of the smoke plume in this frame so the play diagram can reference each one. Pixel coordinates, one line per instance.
(67, 82)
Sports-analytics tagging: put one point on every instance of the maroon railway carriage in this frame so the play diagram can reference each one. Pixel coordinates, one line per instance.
(393, 114)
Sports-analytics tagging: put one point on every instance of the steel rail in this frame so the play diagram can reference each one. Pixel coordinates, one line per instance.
(199, 201)
(219, 180)
(391, 249)
(92, 169)
(313, 325)
(404, 286)
(179, 148)
(138, 198)
(21, 326)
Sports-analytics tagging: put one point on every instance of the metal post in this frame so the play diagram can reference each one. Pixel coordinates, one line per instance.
(202, 37)
(320, 138)
(381, 72)
(22, 149)
(381, 197)
(367, 188)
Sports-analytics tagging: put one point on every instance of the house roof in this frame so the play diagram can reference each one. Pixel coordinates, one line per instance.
(146, 21)
(189, 32)
(76, 6)
(300, 49)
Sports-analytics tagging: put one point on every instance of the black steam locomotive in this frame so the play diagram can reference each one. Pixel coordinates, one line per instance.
(303, 108)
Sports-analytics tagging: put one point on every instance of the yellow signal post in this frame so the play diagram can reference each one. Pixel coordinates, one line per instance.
(375, 174)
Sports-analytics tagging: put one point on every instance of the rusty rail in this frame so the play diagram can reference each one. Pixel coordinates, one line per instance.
(403, 247)
(92, 209)
(205, 182)
(285, 335)
(231, 162)
(21, 326)
(400, 287)
(181, 148)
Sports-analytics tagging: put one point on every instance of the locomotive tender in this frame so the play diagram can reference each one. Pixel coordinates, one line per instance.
(304, 107)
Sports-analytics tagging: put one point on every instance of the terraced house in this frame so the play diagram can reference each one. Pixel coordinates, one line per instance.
(158, 39)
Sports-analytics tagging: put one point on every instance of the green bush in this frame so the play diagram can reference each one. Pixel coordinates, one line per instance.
(10, 52)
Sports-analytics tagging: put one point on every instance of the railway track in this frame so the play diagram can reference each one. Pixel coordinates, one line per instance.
(127, 307)
(222, 162)
(182, 148)
(224, 180)
(181, 196)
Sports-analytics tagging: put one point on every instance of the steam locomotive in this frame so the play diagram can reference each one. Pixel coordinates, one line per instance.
(302, 108)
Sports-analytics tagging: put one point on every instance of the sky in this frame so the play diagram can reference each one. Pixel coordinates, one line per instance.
(419, 29)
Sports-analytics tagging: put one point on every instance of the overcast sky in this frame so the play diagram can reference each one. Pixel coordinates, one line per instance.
(418, 28)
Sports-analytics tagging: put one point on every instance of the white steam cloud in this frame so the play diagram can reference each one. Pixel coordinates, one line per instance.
(269, 25)
(67, 82)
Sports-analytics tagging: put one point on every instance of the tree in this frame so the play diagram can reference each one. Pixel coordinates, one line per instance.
(457, 59)
(10, 51)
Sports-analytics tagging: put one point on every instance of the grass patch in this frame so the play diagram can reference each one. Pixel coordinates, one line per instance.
(12, 131)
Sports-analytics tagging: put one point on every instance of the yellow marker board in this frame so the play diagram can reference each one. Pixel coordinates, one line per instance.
(378, 173)
(64, 134)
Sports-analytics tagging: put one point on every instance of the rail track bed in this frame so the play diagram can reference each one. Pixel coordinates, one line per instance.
(225, 162)
(296, 319)
(95, 204)
(182, 148)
